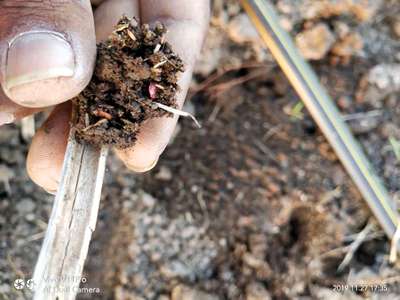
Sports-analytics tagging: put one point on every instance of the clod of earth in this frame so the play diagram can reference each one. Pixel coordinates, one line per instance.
(136, 70)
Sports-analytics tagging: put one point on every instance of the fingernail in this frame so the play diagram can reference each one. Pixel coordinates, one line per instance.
(37, 56)
(142, 169)
(6, 118)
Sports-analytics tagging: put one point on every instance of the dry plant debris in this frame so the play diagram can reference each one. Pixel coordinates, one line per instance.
(136, 71)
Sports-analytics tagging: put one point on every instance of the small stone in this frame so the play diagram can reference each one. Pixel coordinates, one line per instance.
(4, 289)
(341, 29)
(252, 261)
(122, 294)
(242, 30)
(174, 269)
(385, 76)
(6, 174)
(164, 174)
(256, 291)
(286, 24)
(25, 206)
(314, 43)
(348, 45)
(344, 102)
(189, 232)
(258, 245)
(30, 217)
(148, 200)
(262, 267)
(381, 80)
(182, 292)
(364, 125)
(212, 52)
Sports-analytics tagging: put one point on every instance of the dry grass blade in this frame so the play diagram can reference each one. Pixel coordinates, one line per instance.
(355, 245)
(208, 82)
(177, 112)
(393, 246)
(396, 147)
(370, 114)
(72, 221)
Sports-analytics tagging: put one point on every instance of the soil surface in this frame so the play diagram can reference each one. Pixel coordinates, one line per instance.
(135, 69)
(255, 205)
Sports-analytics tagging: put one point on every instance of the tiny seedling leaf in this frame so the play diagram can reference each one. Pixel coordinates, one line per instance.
(396, 147)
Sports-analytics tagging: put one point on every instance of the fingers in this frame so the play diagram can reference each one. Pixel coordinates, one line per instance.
(10, 111)
(153, 137)
(47, 50)
(187, 23)
(46, 154)
(109, 12)
(96, 3)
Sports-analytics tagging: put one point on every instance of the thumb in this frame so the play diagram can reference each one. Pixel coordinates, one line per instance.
(47, 50)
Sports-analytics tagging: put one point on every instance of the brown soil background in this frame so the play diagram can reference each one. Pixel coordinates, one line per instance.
(254, 205)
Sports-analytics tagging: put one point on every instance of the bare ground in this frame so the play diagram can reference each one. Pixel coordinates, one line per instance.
(255, 205)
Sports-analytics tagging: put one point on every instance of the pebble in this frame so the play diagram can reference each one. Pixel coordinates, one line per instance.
(344, 102)
(5, 288)
(385, 76)
(314, 43)
(175, 269)
(6, 174)
(30, 217)
(121, 294)
(383, 79)
(183, 292)
(364, 125)
(242, 30)
(25, 206)
(348, 45)
(256, 291)
(164, 174)
(148, 200)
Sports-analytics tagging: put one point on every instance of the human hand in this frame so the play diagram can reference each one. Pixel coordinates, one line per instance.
(47, 55)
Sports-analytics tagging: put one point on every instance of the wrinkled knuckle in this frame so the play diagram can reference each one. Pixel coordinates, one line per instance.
(22, 15)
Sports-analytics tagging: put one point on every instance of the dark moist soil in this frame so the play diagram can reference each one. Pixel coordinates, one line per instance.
(135, 67)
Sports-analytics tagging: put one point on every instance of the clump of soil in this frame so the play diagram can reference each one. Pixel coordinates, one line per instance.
(135, 69)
